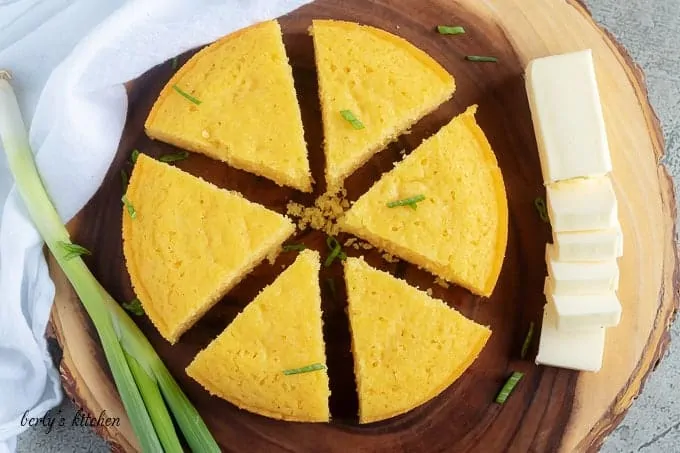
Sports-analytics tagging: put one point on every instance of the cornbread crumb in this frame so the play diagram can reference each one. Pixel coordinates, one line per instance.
(443, 283)
(356, 246)
(429, 292)
(323, 215)
(390, 258)
(350, 241)
(366, 246)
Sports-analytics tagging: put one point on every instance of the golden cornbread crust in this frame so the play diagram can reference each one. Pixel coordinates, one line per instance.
(248, 115)
(459, 231)
(280, 329)
(190, 242)
(407, 346)
(385, 81)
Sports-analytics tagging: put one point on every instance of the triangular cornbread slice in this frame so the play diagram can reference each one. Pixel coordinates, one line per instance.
(383, 80)
(279, 331)
(407, 346)
(459, 231)
(190, 242)
(243, 108)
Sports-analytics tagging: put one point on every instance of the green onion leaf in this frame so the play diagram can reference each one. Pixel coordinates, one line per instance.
(527, 340)
(294, 247)
(175, 63)
(509, 387)
(412, 202)
(482, 59)
(305, 369)
(331, 286)
(134, 307)
(186, 95)
(130, 209)
(448, 30)
(336, 251)
(175, 157)
(73, 250)
(351, 119)
(542, 209)
(134, 155)
(124, 178)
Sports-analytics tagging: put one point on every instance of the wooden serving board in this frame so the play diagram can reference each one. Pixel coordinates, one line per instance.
(552, 409)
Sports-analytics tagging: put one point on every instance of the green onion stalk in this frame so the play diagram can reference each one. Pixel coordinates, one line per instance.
(145, 385)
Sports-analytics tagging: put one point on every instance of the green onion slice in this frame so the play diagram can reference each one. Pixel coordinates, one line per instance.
(124, 178)
(351, 119)
(130, 209)
(336, 251)
(134, 307)
(509, 387)
(73, 250)
(294, 247)
(411, 201)
(542, 209)
(186, 95)
(527, 340)
(449, 30)
(305, 369)
(134, 155)
(175, 157)
(331, 286)
(481, 58)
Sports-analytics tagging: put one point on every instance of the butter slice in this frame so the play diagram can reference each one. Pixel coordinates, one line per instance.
(567, 115)
(573, 313)
(593, 245)
(582, 350)
(582, 204)
(580, 278)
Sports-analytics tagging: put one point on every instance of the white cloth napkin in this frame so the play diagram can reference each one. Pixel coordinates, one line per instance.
(75, 129)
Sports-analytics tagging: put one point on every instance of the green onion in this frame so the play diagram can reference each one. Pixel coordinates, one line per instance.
(124, 178)
(527, 340)
(331, 286)
(412, 202)
(130, 209)
(136, 368)
(134, 307)
(175, 157)
(175, 63)
(542, 209)
(186, 95)
(351, 119)
(134, 155)
(482, 59)
(294, 247)
(509, 387)
(73, 250)
(336, 251)
(447, 30)
(305, 369)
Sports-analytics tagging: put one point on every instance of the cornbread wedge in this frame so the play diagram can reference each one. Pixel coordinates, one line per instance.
(241, 107)
(407, 346)
(384, 81)
(190, 242)
(256, 362)
(459, 230)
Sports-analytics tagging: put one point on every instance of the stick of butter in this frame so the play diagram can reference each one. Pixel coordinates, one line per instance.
(580, 278)
(573, 313)
(567, 116)
(582, 204)
(582, 350)
(593, 245)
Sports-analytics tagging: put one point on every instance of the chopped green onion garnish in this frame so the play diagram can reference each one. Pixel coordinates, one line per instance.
(294, 247)
(542, 209)
(331, 286)
(527, 340)
(351, 119)
(186, 95)
(447, 30)
(412, 202)
(481, 59)
(509, 387)
(124, 178)
(175, 157)
(134, 155)
(175, 63)
(130, 209)
(305, 369)
(134, 307)
(73, 250)
(336, 251)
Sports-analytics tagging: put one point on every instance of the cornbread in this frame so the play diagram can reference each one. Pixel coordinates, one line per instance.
(190, 242)
(248, 114)
(279, 330)
(407, 346)
(459, 231)
(383, 80)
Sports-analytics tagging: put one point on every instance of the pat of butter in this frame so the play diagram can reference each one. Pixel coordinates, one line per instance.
(567, 115)
(581, 350)
(593, 245)
(582, 204)
(580, 278)
(573, 313)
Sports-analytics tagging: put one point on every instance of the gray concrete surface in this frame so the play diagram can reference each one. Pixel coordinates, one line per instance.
(650, 30)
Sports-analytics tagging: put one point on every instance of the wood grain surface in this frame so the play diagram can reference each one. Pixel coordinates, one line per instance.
(552, 409)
